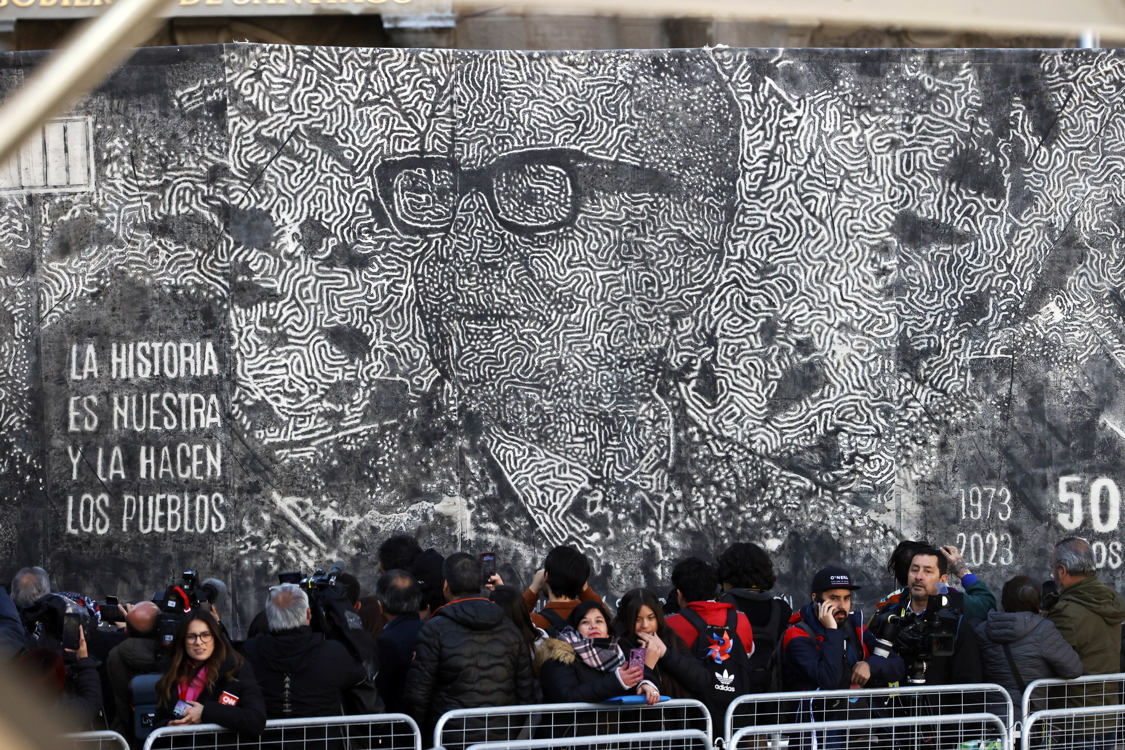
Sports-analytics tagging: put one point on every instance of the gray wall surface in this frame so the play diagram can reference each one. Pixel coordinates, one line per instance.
(264, 306)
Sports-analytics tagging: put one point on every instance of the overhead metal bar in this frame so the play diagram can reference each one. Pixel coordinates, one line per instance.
(86, 58)
(1106, 18)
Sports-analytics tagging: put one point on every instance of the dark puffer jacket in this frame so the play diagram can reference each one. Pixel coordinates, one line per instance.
(1037, 648)
(301, 673)
(468, 655)
(566, 678)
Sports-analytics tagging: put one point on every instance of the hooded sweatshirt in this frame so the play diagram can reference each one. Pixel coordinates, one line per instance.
(1037, 651)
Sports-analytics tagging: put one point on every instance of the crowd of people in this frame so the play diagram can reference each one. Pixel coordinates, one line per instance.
(441, 633)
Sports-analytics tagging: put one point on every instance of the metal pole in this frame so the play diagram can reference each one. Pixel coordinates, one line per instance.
(87, 57)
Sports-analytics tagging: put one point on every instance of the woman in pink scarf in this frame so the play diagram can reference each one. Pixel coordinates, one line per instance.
(207, 682)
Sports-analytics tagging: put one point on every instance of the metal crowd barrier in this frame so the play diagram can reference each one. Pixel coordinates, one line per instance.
(1081, 692)
(925, 702)
(576, 723)
(983, 731)
(366, 732)
(683, 740)
(1091, 728)
(104, 740)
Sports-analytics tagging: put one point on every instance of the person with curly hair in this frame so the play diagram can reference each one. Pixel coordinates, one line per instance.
(746, 575)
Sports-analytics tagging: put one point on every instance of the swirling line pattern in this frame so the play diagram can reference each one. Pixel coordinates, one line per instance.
(793, 296)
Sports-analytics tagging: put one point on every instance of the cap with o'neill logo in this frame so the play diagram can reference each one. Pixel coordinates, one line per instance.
(833, 577)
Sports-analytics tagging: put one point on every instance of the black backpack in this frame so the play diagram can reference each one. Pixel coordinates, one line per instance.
(765, 662)
(720, 649)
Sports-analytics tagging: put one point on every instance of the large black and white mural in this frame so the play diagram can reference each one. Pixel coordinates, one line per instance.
(265, 306)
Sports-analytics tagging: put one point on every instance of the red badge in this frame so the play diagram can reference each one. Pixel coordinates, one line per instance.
(228, 700)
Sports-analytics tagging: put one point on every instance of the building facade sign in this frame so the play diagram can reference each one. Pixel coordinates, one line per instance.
(74, 9)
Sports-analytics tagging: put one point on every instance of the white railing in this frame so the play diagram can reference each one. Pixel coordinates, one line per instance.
(772, 709)
(382, 731)
(1091, 690)
(104, 740)
(985, 731)
(1091, 728)
(675, 740)
(552, 722)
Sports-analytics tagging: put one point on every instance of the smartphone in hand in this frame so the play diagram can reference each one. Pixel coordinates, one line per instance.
(637, 658)
(487, 566)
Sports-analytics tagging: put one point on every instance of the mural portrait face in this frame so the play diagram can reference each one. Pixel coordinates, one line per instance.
(582, 212)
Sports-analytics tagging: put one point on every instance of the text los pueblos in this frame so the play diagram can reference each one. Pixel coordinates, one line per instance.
(153, 452)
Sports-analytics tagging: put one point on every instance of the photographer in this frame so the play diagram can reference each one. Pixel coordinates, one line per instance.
(13, 637)
(925, 626)
(71, 682)
(138, 654)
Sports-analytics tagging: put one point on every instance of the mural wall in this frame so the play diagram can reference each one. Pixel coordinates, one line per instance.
(264, 306)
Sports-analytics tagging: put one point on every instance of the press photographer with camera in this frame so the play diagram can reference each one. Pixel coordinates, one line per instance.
(67, 679)
(924, 626)
(138, 654)
(207, 681)
(333, 616)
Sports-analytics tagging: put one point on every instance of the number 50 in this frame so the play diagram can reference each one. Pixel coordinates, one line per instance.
(1105, 504)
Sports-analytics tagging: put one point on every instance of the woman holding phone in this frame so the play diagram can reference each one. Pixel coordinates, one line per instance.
(585, 664)
(208, 682)
(668, 660)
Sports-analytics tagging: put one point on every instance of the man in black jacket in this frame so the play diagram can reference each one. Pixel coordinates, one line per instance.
(468, 654)
(138, 654)
(400, 597)
(300, 672)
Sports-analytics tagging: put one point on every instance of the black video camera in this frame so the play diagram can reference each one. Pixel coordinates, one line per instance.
(55, 619)
(179, 599)
(917, 636)
(332, 612)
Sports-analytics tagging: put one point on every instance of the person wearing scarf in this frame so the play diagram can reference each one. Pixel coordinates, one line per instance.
(584, 664)
(208, 682)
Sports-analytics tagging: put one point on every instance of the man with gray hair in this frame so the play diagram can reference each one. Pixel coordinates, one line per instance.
(30, 585)
(1088, 614)
(301, 672)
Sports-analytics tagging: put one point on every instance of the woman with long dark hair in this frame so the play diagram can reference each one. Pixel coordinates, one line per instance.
(585, 664)
(640, 624)
(511, 601)
(208, 682)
